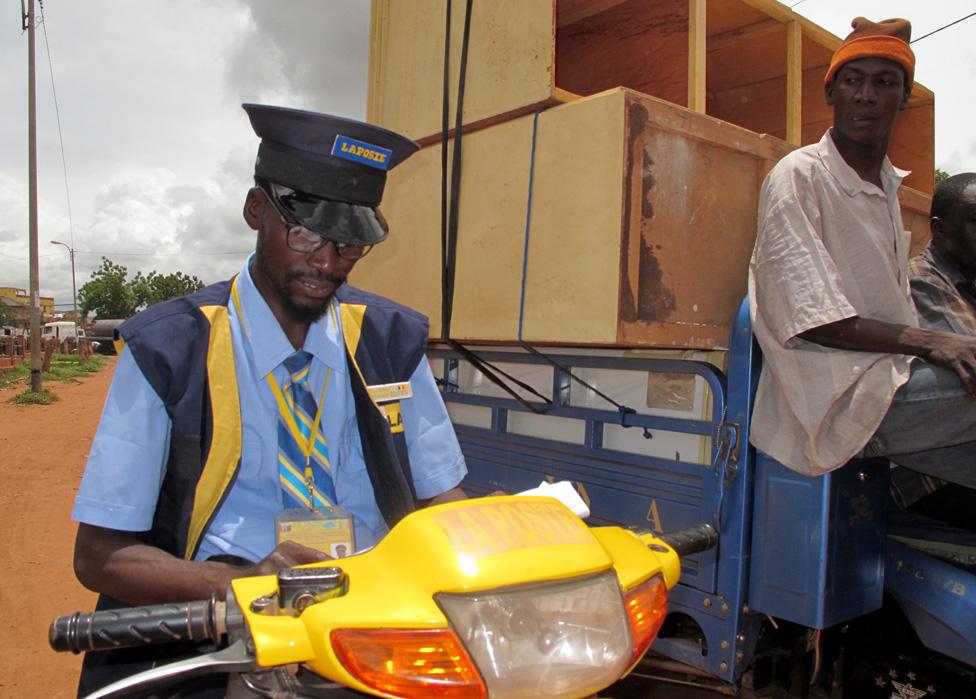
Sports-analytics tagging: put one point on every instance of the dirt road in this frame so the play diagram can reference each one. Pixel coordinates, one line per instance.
(42, 455)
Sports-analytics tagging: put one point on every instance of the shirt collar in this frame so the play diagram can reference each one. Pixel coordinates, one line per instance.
(269, 346)
(848, 178)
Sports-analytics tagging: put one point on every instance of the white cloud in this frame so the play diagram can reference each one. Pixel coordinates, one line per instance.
(159, 153)
(304, 55)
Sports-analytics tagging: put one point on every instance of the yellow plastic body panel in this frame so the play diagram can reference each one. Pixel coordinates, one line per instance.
(459, 547)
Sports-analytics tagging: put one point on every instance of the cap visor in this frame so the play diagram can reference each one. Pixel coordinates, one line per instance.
(336, 220)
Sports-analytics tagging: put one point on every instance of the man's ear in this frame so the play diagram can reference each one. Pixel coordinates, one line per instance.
(935, 225)
(829, 91)
(904, 99)
(254, 208)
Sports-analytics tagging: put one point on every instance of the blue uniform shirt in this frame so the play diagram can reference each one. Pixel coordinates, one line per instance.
(128, 457)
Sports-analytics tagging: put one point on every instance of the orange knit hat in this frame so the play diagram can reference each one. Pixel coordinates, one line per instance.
(886, 39)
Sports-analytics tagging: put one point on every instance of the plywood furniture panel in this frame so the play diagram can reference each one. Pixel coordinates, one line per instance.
(575, 243)
(525, 56)
(510, 61)
(636, 44)
(641, 225)
(643, 212)
(915, 207)
(574, 234)
(690, 232)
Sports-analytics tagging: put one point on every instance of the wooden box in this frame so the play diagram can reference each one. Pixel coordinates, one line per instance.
(753, 63)
(642, 223)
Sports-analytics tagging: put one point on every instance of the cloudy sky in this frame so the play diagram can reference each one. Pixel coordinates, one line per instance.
(159, 153)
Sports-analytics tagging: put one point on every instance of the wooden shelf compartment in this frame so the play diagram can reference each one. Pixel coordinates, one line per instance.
(753, 63)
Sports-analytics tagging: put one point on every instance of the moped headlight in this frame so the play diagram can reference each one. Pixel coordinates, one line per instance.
(564, 639)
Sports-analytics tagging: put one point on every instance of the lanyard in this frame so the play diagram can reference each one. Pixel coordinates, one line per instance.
(309, 442)
(289, 416)
(285, 410)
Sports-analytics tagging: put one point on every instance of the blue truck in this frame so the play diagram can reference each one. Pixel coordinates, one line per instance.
(810, 591)
(594, 248)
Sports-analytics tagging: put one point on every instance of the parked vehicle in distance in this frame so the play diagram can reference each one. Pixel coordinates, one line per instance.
(61, 330)
(102, 334)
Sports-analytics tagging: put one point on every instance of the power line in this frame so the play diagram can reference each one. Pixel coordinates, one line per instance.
(134, 254)
(972, 14)
(155, 254)
(57, 112)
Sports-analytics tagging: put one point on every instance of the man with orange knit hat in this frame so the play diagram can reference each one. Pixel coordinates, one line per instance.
(847, 371)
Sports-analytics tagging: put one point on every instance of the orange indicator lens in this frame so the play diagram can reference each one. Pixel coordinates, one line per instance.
(409, 662)
(647, 606)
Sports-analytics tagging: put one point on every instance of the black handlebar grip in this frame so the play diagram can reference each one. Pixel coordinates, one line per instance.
(135, 626)
(691, 540)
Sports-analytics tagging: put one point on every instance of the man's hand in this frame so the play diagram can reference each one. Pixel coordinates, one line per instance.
(956, 352)
(285, 555)
(120, 565)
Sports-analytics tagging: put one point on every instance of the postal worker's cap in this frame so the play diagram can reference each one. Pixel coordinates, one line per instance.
(328, 172)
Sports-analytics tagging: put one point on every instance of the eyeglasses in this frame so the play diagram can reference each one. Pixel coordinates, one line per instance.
(301, 239)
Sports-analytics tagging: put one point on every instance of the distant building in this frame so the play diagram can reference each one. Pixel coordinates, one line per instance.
(19, 301)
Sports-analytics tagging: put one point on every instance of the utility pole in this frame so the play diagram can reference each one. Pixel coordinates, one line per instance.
(74, 289)
(35, 310)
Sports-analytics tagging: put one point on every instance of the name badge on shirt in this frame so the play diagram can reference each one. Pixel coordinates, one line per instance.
(387, 396)
(385, 392)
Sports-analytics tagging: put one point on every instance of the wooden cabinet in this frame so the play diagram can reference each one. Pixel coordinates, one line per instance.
(753, 63)
(643, 210)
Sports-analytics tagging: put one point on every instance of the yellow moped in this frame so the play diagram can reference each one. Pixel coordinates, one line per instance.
(499, 597)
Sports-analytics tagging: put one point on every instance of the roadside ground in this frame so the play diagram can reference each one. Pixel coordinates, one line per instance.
(42, 455)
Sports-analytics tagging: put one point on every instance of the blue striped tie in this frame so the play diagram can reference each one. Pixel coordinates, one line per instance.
(296, 416)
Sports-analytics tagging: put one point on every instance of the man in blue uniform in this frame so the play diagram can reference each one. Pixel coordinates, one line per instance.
(281, 390)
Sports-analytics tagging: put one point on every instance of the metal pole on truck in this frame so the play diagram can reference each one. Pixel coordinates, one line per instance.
(35, 307)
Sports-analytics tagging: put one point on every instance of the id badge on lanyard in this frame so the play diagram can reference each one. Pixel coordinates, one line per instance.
(329, 529)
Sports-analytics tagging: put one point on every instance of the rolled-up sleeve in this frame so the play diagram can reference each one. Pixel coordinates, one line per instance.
(127, 460)
(797, 285)
(435, 455)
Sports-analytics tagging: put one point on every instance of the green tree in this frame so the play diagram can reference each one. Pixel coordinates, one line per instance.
(940, 175)
(7, 315)
(108, 294)
(155, 287)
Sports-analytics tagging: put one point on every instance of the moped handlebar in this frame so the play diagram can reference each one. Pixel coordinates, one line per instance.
(691, 540)
(138, 626)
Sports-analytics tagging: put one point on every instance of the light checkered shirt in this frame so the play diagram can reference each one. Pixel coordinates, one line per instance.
(944, 298)
(945, 301)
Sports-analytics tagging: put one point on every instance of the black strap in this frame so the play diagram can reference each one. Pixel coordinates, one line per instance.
(449, 216)
(489, 370)
(449, 233)
(445, 116)
(624, 410)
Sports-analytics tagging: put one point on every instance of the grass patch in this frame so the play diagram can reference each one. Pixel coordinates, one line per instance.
(42, 397)
(64, 367)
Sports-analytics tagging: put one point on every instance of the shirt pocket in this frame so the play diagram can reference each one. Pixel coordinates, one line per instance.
(254, 455)
(349, 475)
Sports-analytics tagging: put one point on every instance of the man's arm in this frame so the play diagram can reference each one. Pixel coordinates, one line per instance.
(436, 461)
(948, 350)
(117, 498)
(452, 495)
(118, 564)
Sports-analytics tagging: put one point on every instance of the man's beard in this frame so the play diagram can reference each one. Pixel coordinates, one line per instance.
(279, 281)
